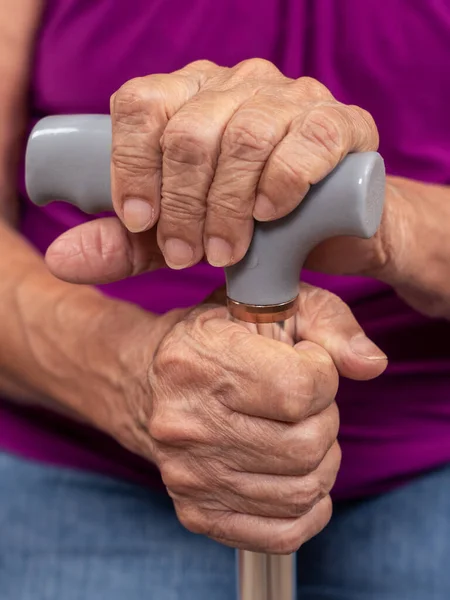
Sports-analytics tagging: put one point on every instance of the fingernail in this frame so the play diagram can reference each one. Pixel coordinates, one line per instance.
(137, 214)
(264, 209)
(178, 254)
(219, 252)
(361, 345)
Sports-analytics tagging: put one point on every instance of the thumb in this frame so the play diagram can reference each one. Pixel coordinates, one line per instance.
(102, 251)
(326, 320)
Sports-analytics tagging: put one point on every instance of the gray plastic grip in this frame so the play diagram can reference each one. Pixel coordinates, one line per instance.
(68, 158)
(347, 202)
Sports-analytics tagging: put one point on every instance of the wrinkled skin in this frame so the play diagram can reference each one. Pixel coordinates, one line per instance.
(201, 153)
(244, 428)
(212, 148)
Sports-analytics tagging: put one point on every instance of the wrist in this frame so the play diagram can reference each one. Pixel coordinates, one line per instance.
(117, 347)
(416, 245)
(123, 344)
(78, 348)
(391, 244)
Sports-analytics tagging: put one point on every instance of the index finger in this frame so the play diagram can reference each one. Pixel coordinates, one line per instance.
(276, 381)
(140, 111)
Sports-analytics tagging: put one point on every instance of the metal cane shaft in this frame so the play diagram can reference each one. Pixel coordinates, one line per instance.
(268, 576)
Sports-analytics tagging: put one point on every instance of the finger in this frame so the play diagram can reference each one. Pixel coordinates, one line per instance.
(248, 140)
(277, 381)
(316, 142)
(294, 449)
(102, 251)
(282, 496)
(258, 534)
(325, 319)
(140, 111)
(200, 146)
(191, 146)
(290, 390)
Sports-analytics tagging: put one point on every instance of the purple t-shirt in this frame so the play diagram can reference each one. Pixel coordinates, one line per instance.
(391, 58)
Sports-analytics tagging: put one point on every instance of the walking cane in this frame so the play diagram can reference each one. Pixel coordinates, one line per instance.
(68, 159)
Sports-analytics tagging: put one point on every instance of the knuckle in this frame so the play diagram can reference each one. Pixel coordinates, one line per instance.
(312, 88)
(366, 118)
(191, 518)
(177, 478)
(313, 455)
(301, 531)
(172, 358)
(336, 458)
(160, 430)
(203, 64)
(186, 142)
(284, 542)
(287, 170)
(324, 127)
(207, 69)
(299, 503)
(112, 100)
(182, 206)
(309, 492)
(256, 67)
(163, 430)
(289, 408)
(167, 427)
(128, 103)
(178, 360)
(326, 512)
(221, 526)
(231, 207)
(293, 390)
(251, 137)
(313, 493)
(325, 371)
(223, 203)
(134, 150)
(309, 447)
(318, 519)
(130, 159)
(331, 414)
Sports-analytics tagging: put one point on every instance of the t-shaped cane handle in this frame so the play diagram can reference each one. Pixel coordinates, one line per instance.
(68, 158)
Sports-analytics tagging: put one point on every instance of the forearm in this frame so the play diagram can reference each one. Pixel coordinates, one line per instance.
(416, 244)
(68, 346)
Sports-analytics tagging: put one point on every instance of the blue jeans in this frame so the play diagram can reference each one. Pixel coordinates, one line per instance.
(67, 535)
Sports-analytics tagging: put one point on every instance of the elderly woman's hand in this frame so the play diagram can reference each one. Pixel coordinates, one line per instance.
(243, 428)
(205, 150)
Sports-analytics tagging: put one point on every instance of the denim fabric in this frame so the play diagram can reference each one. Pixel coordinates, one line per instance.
(68, 535)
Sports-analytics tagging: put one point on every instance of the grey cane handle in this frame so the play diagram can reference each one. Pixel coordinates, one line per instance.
(347, 202)
(68, 159)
